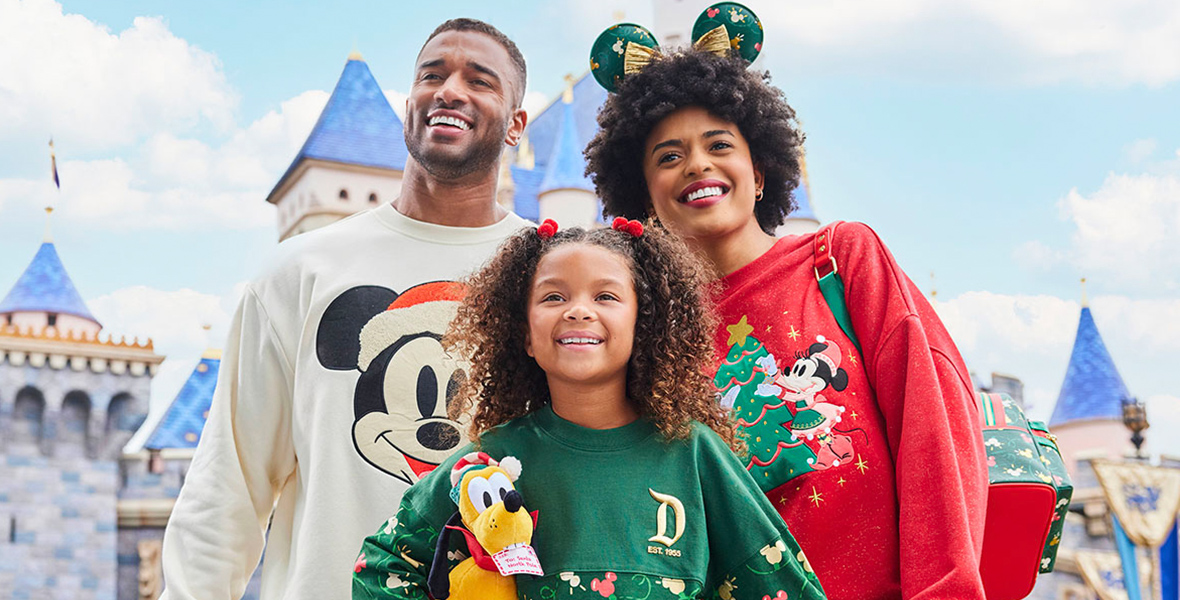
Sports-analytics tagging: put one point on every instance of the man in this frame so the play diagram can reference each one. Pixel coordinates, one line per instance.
(333, 387)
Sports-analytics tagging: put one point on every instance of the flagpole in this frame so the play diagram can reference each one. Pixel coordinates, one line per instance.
(1157, 586)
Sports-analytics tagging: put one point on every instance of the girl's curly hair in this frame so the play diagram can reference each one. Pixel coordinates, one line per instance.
(667, 376)
(726, 88)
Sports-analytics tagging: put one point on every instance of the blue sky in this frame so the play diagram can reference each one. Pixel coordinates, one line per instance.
(1009, 149)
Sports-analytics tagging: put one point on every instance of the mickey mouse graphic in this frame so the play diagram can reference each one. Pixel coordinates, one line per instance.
(406, 379)
(816, 370)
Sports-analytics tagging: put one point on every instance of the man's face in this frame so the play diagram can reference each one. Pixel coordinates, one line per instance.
(462, 105)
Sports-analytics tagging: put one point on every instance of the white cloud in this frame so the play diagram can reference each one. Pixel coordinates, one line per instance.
(1163, 413)
(1128, 231)
(1088, 41)
(175, 321)
(171, 182)
(66, 75)
(1139, 150)
(1031, 337)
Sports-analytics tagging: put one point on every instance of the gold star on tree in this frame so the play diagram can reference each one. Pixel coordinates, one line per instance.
(738, 332)
(861, 464)
(816, 497)
(794, 335)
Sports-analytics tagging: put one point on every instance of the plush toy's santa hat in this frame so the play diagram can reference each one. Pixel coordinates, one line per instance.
(477, 460)
(425, 307)
(830, 355)
(474, 461)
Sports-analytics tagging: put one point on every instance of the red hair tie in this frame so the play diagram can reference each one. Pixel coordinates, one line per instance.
(546, 229)
(633, 227)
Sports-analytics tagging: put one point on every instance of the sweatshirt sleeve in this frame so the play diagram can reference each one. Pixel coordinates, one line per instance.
(753, 555)
(395, 561)
(931, 419)
(216, 533)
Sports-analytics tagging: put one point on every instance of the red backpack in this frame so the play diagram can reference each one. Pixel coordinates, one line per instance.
(1028, 488)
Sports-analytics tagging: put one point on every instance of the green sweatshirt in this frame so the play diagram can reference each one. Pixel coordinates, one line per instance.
(611, 505)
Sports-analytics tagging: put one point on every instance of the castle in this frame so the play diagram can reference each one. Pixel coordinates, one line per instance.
(81, 516)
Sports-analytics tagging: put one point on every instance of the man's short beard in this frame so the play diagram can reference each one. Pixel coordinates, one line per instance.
(481, 157)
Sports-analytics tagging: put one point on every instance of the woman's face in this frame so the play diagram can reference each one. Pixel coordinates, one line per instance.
(700, 177)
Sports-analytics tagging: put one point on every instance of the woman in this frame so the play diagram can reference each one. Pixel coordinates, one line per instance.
(873, 458)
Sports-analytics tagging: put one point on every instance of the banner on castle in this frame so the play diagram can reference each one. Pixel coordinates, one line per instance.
(1103, 572)
(1144, 498)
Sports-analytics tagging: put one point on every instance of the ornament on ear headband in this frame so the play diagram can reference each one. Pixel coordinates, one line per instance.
(626, 48)
(547, 229)
(633, 227)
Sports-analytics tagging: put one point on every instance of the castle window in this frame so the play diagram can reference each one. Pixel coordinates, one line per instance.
(8, 318)
(155, 461)
(372, 198)
(27, 415)
(53, 319)
(343, 194)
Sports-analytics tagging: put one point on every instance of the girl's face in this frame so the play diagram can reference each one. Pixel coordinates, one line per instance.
(582, 310)
(700, 177)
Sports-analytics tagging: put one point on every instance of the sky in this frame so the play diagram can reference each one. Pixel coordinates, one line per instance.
(1003, 150)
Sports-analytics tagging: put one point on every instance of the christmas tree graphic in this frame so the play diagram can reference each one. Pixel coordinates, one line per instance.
(746, 382)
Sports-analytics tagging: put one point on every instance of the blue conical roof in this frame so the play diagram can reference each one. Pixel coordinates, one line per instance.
(357, 126)
(45, 287)
(181, 425)
(566, 167)
(1093, 388)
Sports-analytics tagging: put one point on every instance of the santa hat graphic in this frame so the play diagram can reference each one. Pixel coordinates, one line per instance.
(830, 355)
(424, 307)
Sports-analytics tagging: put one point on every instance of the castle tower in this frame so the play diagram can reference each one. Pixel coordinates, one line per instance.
(566, 194)
(153, 478)
(1088, 413)
(69, 402)
(352, 160)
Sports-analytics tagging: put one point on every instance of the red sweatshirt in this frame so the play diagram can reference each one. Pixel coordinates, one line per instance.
(875, 461)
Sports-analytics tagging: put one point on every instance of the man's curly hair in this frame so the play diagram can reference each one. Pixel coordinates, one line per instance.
(667, 376)
(726, 88)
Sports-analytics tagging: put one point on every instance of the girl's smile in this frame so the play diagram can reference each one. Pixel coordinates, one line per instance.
(581, 313)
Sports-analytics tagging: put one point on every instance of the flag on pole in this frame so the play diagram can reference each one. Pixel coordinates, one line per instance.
(1126, 550)
(1103, 571)
(53, 164)
(1170, 566)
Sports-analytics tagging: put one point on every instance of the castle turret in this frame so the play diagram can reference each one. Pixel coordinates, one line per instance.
(352, 160)
(69, 402)
(566, 194)
(63, 390)
(1088, 413)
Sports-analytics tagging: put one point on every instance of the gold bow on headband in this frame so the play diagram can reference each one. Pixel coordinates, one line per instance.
(638, 56)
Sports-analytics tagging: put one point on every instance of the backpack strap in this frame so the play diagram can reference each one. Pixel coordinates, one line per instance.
(827, 273)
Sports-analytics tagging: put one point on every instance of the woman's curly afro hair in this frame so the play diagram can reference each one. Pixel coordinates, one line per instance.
(726, 88)
(667, 376)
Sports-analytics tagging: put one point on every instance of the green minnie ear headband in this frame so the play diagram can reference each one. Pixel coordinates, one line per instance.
(627, 48)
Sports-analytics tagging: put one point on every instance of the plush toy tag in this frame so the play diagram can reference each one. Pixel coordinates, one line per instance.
(521, 560)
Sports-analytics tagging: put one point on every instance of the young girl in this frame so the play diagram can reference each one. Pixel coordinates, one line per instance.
(872, 454)
(588, 352)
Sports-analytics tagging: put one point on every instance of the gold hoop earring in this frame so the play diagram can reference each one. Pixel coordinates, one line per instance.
(757, 195)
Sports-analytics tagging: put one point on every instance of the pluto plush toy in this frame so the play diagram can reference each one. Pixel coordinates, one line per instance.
(497, 530)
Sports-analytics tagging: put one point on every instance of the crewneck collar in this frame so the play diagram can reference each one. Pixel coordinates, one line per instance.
(594, 440)
(445, 234)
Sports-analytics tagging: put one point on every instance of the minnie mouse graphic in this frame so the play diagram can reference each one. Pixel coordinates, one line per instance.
(816, 370)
